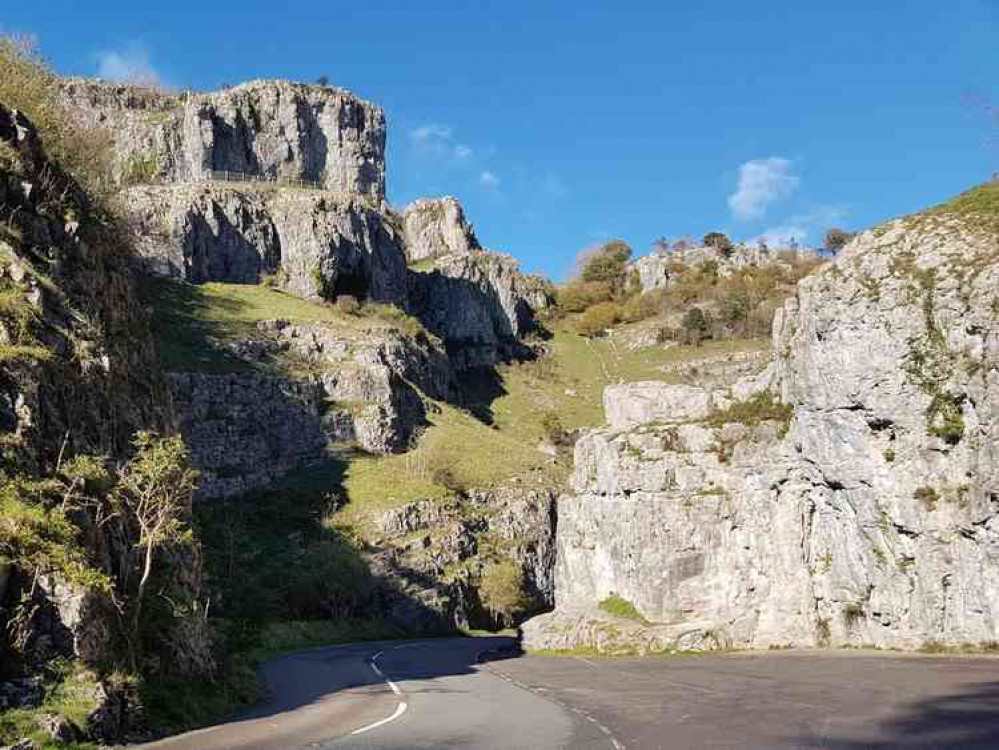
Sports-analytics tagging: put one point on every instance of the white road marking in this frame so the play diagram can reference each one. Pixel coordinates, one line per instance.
(399, 709)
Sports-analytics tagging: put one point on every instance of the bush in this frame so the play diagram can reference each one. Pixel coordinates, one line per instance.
(348, 305)
(763, 407)
(695, 326)
(26, 84)
(621, 607)
(577, 296)
(501, 591)
(608, 264)
(599, 318)
(837, 238)
(719, 242)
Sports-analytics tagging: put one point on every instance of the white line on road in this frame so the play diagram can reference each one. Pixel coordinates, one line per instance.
(399, 710)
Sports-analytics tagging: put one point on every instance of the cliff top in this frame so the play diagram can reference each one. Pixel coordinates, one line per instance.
(100, 92)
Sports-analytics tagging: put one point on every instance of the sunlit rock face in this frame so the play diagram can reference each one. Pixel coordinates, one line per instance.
(870, 516)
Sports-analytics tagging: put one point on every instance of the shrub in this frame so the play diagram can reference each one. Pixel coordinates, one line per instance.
(577, 296)
(763, 407)
(695, 326)
(599, 318)
(501, 591)
(26, 84)
(836, 239)
(348, 305)
(927, 497)
(719, 242)
(608, 264)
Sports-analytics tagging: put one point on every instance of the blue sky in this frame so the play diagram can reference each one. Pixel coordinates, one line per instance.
(560, 124)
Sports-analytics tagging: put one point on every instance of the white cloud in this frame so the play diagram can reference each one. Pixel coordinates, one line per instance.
(762, 182)
(439, 140)
(781, 236)
(128, 65)
(800, 228)
(488, 179)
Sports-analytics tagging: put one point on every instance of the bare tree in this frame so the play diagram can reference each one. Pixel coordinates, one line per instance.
(154, 493)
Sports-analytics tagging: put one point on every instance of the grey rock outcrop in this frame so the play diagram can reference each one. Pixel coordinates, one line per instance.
(440, 548)
(480, 305)
(660, 270)
(873, 520)
(367, 386)
(436, 226)
(316, 244)
(267, 129)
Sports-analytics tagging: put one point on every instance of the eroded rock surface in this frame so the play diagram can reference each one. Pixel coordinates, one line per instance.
(267, 129)
(438, 549)
(367, 386)
(480, 305)
(314, 244)
(436, 226)
(873, 520)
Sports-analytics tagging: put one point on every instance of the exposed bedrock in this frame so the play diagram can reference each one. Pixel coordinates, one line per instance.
(435, 227)
(315, 244)
(480, 305)
(873, 520)
(276, 130)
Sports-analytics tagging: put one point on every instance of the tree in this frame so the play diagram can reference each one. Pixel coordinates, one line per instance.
(695, 326)
(719, 242)
(154, 494)
(608, 264)
(837, 238)
(502, 591)
(599, 318)
(323, 80)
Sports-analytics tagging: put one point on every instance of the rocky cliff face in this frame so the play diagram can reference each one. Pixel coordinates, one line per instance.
(439, 550)
(313, 385)
(267, 129)
(870, 517)
(661, 270)
(480, 304)
(315, 244)
(436, 226)
(78, 376)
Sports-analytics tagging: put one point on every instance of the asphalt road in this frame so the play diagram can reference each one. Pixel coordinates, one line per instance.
(418, 695)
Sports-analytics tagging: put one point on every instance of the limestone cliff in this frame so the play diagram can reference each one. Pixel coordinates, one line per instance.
(480, 304)
(661, 270)
(274, 130)
(78, 377)
(312, 385)
(315, 244)
(436, 226)
(854, 502)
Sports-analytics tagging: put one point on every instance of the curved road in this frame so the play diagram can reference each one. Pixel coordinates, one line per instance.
(397, 696)
(418, 695)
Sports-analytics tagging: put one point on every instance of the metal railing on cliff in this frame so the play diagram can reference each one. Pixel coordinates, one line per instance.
(215, 175)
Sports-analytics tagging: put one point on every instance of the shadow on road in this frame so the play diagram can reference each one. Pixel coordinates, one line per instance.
(306, 677)
(969, 721)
